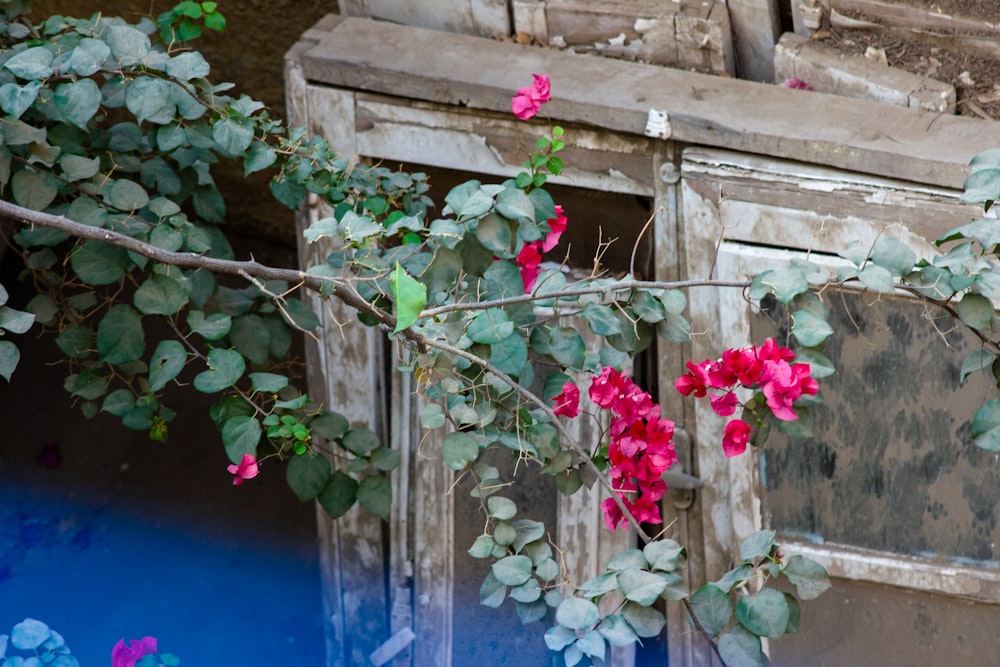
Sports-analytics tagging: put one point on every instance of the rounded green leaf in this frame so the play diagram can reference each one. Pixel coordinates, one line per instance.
(15, 99)
(375, 495)
(385, 459)
(15, 321)
(602, 319)
(160, 295)
(410, 297)
(512, 570)
(77, 167)
(232, 136)
(894, 255)
(494, 233)
(646, 621)
(630, 558)
(640, 586)
(482, 547)
(308, 475)
(187, 65)
(765, 613)
(209, 327)
(617, 631)
(268, 382)
(490, 326)
(500, 508)
(557, 638)
(741, 648)
(876, 278)
(88, 56)
(33, 189)
(566, 346)
(120, 337)
(98, 263)
(758, 545)
(975, 310)
(9, 357)
(167, 362)
(29, 634)
(150, 99)
(459, 450)
(492, 593)
(712, 608)
(577, 614)
(808, 329)
(361, 440)
(648, 307)
(547, 569)
(128, 45)
(118, 402)
(251, 337)
(809, 577)
(88, 385)
(33, 63)
(240, 435)
(664, 555)
(225, 368)
(339, 495)
(126, 195)
(78, 101)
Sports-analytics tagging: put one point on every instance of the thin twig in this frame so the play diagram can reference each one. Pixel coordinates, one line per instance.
(700, 628)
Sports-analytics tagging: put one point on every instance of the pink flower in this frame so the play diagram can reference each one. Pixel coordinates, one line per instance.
(725, 404)
(695, 381)
(796, 84)
(127, 656)
(529, 100)
(735, 437)
(557, 225)
(528, 261)
(613, 516)
(567, 403)
(247, 469)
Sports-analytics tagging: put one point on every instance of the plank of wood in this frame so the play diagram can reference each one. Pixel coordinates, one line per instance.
(857, 135)
(756, 28)
(903, 16)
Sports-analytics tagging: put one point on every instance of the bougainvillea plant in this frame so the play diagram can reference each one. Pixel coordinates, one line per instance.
(111, 131)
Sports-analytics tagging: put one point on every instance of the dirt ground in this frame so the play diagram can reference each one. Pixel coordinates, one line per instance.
(969, 61)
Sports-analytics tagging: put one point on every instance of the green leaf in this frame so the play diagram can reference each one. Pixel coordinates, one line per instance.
(187, 65)
(33, 189)
(128, 45)
(600, 585)
(210, 327)
(975, 310)
(490, 326)
(78, 101)
(459, 450)
(410, 297)
(808, 329)
(15, 99)
(339, 495)
(809, 577)
(494, 233)
(648, 307)
(308, 475)
(876, 278)
(259, 157)
(482, 547)
(740, 648)
(977, 360)
(819, 365)
(97, 263)
(512, 203)
(712, 608)
(225, 368)
(118, 402)
(77, 167)
(329, 426)
(893, 255)
(527, 531)
(758, 545)
(510, 355)
(640, 586)
(385, 459)
(241, 435)
(120, 337)
(268, 382)
(150, 99)
(559, 637)
(88, 56)
(566, 346)
(502, 509)
(786, 283)
(9, 356)
(29, 634)
(630, 558)
(356, 228)
(512, 571)
(160, 295)
(530, 612)
(32, 63)
(646, 621)
(251, 337)
(602, 319)
(577, 614)
(15, 321)
(76, 341)
(375, 495)
(88, 385)
(617, 631)
(764, 613)
(232, 136)
(360, 441)
(432, 416)
(492, 593)
(167, 362)
(664, 555)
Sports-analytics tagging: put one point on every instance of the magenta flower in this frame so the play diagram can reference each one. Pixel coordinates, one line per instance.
(567, 403)
(127, 656)
(796, 83)
(528, 263)
(735, 438)
(247, 469)
(529, 100)
(557, 226)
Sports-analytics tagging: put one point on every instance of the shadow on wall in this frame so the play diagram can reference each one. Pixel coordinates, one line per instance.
(105, 534)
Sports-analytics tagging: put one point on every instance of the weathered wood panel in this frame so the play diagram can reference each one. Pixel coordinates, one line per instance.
(756, 28)
(487, 18)
(856, 135)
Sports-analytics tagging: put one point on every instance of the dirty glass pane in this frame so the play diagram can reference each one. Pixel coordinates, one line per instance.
(891, 465)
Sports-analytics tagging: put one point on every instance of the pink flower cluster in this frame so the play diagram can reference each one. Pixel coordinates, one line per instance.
(765, 369)
(246, 469)
(640, 451)
(530, 257)
(127, 656)
(529, 100)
